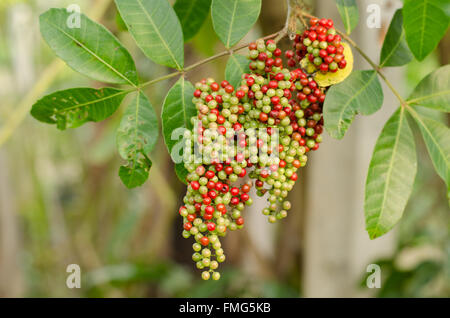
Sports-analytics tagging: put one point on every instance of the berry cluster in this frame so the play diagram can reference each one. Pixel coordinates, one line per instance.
(291, 102)
(261, 130)
(321, 45)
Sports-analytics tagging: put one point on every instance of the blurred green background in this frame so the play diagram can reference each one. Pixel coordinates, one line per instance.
(62, 202)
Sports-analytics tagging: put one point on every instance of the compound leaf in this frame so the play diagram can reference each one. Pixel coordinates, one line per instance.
(348, 9)
(136, 137)
(73, 107)
(425, 24)
(192, 14)
(434, 90)
(236, 66)
(360, 93)
(89, 49)
(391, 175)
(395, 51)
(232, 19)
(156, 29)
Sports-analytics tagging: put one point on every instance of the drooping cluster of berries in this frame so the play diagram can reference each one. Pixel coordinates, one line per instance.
(289, 105)
(321, 45)
(262, 131)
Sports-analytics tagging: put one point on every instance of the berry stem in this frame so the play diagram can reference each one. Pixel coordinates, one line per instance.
(301, 14)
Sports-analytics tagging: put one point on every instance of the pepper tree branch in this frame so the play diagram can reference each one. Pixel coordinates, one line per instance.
(281, 33)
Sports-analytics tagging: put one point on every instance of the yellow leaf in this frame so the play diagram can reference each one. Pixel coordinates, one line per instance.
(329, 79)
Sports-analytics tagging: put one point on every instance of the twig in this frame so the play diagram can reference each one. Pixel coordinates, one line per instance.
(207, 60)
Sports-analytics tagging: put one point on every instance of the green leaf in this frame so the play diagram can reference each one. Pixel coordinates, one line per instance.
(91, 49)
(133, 177)
(425, 24)
(232, 19)
(434, 90)
(395, 51)
(156, 30)
(236, 66)
(136, 137)
(73, 107)
(391, 175)
(437, 139)
(181, 172)
(348, 9)
(192, 14)
(360, 93)
(177, 112)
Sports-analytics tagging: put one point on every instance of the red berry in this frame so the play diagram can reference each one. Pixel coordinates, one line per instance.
(215, 87)
(234, 191)
(195, 185)
(209, 174)
(204, 241)
(209, 209)
(221, 207)
(229, 89)
(343, 64)
(244, 197)
(234, 201)
(245, 188)
(331, 49)
(228, 170)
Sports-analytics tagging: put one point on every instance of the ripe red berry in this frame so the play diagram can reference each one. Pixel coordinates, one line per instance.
(209, 209)
(244, 197)
(234, 191)
(229, 89)
(324, 67)
(234, 201)
(228, 170)
(204, 241)
(312, 36)
(195, 185)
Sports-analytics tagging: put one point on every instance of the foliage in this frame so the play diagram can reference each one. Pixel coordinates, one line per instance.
(158, 32)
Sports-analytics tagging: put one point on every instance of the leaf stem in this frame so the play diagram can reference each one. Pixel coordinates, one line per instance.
(281, 33)
(377, 68)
